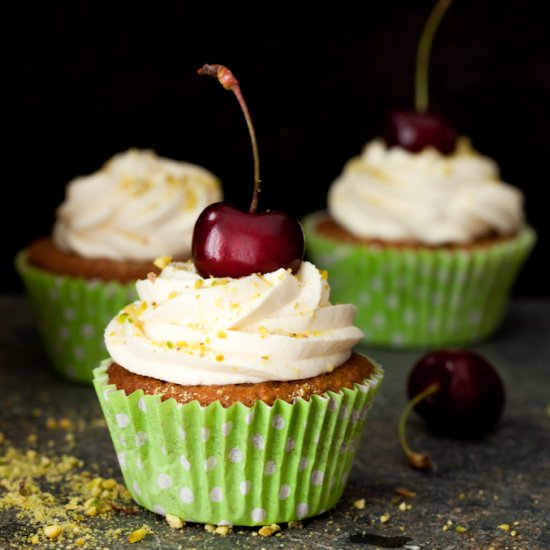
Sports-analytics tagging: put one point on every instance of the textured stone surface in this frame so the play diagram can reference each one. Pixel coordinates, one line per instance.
(479, 485)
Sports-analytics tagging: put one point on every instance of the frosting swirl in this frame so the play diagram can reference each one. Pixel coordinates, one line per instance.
(137, 207)
(395, 195)
(194, 331)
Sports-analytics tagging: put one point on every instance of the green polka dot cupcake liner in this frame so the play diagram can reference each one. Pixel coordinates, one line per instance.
(421, 298)
(72, 314)
(239, 465)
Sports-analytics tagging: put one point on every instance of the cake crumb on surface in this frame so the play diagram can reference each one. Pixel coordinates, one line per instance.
(268, 530)
(359, 503)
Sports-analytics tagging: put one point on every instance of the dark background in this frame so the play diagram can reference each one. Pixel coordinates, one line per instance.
(81, 82)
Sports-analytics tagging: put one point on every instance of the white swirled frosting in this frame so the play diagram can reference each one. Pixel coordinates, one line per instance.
(137, 207)
(189, 330)
(395, 195)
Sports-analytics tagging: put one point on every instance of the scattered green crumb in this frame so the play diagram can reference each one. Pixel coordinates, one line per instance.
(295, 524)
(460, 529)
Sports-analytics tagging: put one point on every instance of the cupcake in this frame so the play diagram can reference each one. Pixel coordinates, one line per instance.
(111, 226)
(427, 245)
(235, 400)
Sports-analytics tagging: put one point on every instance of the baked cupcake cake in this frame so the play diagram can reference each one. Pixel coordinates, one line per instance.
(235, 400)
(420, 233)
(426, 245)
(233, 393)
(112, 225)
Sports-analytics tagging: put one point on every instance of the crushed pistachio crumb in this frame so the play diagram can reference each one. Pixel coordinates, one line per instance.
(26, 481)
(198, 283)
(268, 530)
(359, 503)
(139, 534)
(53, 531)
(221, 530)
(384, 518)
(295, 524)
(174, 521)
(513, 533)
(504, 526)
(460, 529)
(324, 274)
(162, 262)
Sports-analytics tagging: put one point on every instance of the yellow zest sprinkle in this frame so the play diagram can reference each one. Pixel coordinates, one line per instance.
(162, 262)
(170, 345)
(198, 283)
(359, 503)
(504, 527)
(53, 531)
(513, 533)
(221, 334)
(265, 357)
(220, 357)
(384, 518)
(172, 294)
(122, 318)
(139, 534)
(324, 274)
(35, 539)
(219, 282)
(263, 332)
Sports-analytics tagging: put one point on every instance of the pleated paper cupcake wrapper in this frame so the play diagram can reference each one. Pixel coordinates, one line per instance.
(72, 314)
(237, 465)
(421, 298)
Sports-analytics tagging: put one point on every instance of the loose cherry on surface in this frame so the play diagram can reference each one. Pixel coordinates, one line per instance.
(228, 242)
(457, 392)
(415, 129)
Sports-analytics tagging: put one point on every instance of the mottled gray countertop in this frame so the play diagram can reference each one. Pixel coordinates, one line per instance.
(477, 485)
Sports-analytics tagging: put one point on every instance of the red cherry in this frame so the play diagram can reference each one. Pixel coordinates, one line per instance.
(414, 131)
(228, 242)
(457, 392)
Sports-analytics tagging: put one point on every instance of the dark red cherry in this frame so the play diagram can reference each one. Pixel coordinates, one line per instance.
(228, 242)
(470, 394)
(414, 131)
(457, 392)
(417, 129)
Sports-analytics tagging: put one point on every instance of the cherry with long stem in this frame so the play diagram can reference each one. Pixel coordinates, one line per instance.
(423, 54)
(227, 79)
(228, 242)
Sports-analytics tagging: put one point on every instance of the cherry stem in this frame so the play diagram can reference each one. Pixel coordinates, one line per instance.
(416, 460)
(423, 54)
(229, 82)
